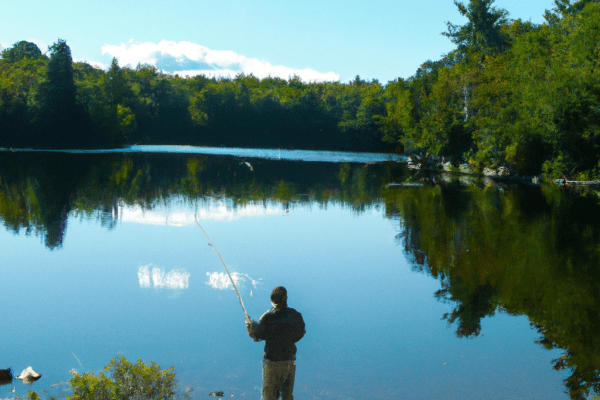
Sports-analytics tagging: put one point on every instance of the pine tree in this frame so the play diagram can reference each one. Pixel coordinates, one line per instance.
(483, 31)
(62, 118)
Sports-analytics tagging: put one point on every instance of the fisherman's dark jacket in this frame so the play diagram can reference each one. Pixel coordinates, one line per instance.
(280, 327)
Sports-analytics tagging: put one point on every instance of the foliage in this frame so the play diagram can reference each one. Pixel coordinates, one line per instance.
(483, 32)
(124, 380)
(34, 396)
(21, 50)
(513, 93)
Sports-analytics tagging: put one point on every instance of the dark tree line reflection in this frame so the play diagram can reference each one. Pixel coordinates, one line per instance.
(519, 250)
(39, 191)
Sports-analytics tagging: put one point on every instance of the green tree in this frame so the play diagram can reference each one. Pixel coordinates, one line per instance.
(483, 32)
(161, 105)
(60, 85)
(62, 117)
(361, 106)
(20, 50)
(574, 94)
(19, 100)
(484, 35)
(564, 8)
(417, 110)
(513, 114)
(110, 110)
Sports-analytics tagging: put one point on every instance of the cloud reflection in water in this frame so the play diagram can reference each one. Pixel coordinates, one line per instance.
(220, 280)
(174, 279)
(214, 210)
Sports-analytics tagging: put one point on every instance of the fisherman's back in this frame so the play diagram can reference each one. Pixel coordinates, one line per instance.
(280, 327)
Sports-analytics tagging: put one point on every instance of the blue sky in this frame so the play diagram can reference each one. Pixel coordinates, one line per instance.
(317, 40)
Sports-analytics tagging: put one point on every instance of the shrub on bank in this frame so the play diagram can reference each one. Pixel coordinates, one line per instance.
(122, 380)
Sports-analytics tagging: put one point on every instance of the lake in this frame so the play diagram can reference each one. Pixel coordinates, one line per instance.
(456, 288)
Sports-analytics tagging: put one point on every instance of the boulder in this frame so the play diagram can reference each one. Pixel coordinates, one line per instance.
(29, 375)
(6, 376)
(465, 169)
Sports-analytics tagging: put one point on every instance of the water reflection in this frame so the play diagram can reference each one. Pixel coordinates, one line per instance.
(214, 210)
(155, 277)
(226, 211)
(221, 281)
(518, 251)
(140, 215)
(504, 249)
(47, 188)
(274, 154)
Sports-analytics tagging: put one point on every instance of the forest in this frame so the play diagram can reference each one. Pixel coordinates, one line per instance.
(512, 93)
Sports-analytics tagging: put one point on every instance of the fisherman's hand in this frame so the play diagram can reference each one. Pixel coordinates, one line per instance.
(251, 326)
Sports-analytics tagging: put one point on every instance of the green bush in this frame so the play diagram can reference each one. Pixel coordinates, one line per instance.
(124, 380)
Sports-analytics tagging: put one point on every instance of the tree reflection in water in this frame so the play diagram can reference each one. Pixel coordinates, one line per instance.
(519, 250)
(38, 191)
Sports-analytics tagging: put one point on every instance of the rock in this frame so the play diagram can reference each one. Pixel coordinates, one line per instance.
(489, 172)
(503, 171)
(29, 375)
(465, 169)
(6, 375)
(499, 172)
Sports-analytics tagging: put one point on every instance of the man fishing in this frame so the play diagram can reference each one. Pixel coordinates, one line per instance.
(280, 327)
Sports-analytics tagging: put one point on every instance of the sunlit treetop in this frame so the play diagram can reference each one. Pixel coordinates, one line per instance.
(20, 51)
(483, 31)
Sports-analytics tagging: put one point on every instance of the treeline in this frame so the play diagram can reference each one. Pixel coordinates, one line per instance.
(512, 93)
(53, 102)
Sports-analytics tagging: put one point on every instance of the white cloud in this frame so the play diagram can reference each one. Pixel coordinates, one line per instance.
(95, 64)
(42, 45)
(187, 58)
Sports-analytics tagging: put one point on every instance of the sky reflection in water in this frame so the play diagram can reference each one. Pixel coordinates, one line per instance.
(152, 288)
(272, 154)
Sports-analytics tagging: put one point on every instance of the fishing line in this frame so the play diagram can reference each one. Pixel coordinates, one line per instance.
(226, 269)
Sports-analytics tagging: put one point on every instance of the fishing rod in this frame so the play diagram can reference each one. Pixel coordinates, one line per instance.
(226, 269)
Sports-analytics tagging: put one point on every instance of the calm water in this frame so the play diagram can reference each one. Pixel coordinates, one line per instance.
(101, 257)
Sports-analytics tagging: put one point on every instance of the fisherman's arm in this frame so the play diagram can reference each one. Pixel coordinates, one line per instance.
(300, 327)
(256, 329)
